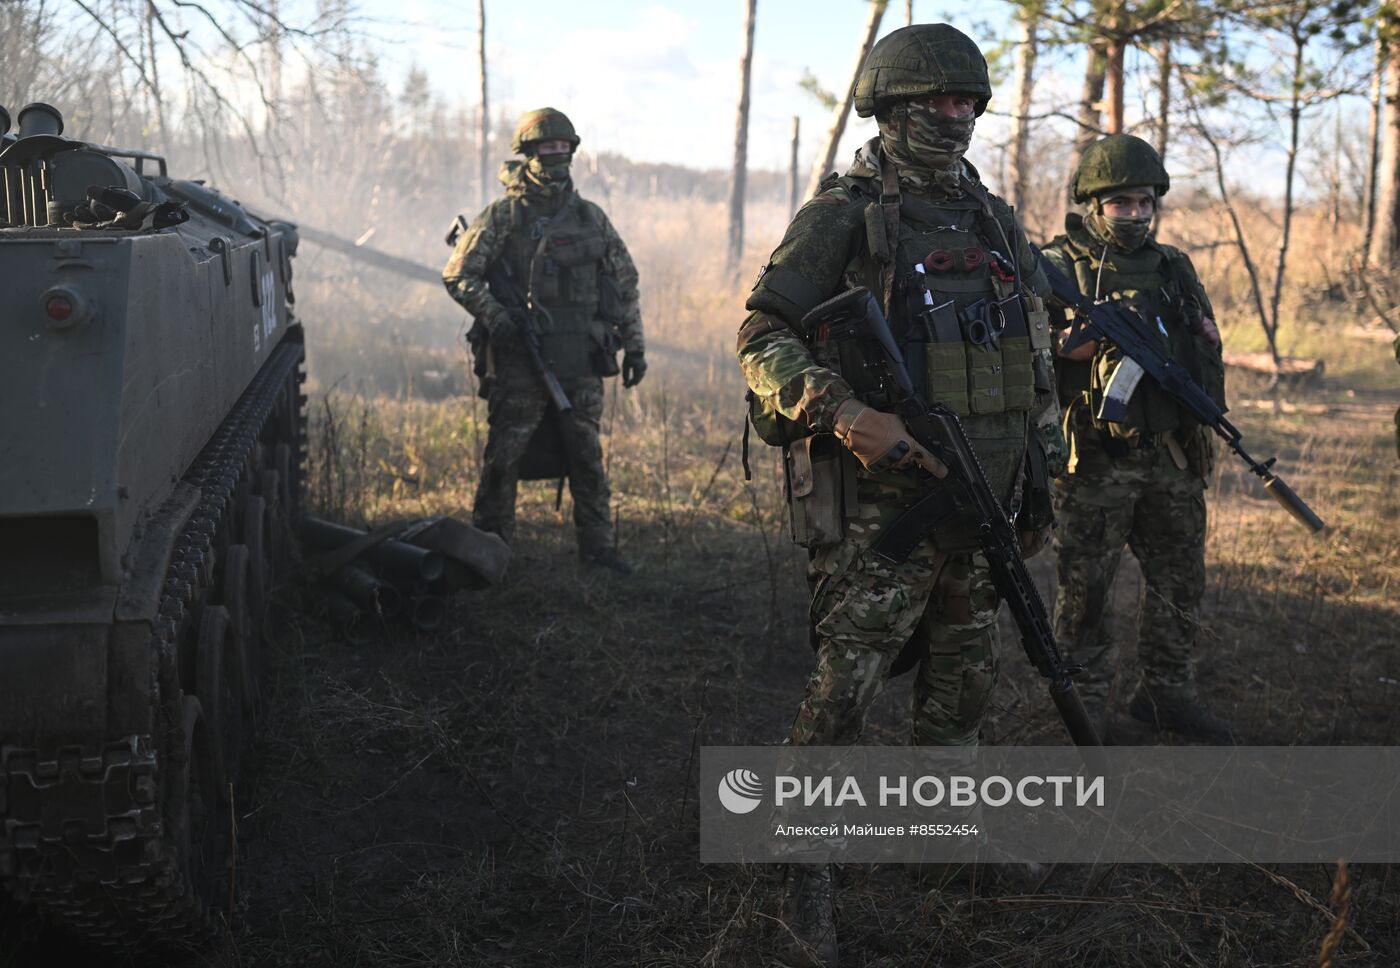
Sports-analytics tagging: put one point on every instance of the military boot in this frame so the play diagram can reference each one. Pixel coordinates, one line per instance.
(606, 557)
(1181, 714)
(809, 918)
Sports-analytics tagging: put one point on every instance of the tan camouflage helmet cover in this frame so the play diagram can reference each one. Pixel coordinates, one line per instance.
(543, 124)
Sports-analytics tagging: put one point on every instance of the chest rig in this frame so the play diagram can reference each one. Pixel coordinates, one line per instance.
(1154, 283)
(557, 254)
(954, 298)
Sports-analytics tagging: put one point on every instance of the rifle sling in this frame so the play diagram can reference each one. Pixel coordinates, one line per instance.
(556, 220)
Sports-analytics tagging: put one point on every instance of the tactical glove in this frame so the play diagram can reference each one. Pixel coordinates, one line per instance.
(634, 367)
(508, 325)
(880, 440)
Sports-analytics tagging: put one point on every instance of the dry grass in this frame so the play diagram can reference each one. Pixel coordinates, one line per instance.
(519, 791)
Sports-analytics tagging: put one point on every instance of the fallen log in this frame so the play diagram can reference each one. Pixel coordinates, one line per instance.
(1292, 369)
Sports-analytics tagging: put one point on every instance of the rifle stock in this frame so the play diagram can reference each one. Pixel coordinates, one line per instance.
(1123, 328)
(966, 491)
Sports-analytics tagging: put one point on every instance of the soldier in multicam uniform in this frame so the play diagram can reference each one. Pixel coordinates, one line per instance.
(560, 254)
(909, 219)
(1140, 482)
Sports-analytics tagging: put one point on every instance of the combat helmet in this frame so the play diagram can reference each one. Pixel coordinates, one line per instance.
(920, 60)
(1118, 161)
(543, 124)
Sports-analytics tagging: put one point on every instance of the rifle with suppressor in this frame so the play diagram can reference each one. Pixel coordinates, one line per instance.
(1142, 355)
(521, 307)
(965, 494)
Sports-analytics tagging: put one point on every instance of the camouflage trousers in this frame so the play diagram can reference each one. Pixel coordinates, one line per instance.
(514, 410)
(1158, 510)
(864, 611)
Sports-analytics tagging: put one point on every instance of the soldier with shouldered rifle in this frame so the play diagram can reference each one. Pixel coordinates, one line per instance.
(553, 293)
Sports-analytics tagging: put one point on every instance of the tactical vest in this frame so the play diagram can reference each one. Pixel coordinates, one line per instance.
(558, 259)
(968, 337)
(1160, 286)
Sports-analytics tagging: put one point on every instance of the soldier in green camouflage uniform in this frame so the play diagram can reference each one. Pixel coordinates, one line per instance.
(909, 200)
(1140, 481)
(544, 245)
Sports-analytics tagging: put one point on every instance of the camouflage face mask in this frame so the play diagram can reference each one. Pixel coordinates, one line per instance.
(1126, 233)
(926, 146)
(549, 171)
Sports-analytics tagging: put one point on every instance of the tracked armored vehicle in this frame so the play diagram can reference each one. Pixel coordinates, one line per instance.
(150, 466)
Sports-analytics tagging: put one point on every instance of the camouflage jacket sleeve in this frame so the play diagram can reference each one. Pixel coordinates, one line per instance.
(465, 273)
(622, 301)
(806, 268)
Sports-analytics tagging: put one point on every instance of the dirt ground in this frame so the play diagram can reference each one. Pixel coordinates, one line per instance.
(520, 789)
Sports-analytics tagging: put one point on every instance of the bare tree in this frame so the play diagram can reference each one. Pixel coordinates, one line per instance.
(739, 175)
(483, 158)
(794, 187)
(1164, 96)
(842, 111)
(1241, 238)
(1114, 31)
(1018, 160)
(1089, 116)
(1385, 233)
(1373, 148)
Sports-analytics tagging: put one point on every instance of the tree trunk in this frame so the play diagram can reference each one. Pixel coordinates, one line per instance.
(794, 187)
(741, 141)
(1090, 101)
(1373, 150)
(1241, 239)
(842, 111)
(158, 101)
(483, 166)
(908, 12)
(1164, 97)
(1295, 114)
(1115, 49)
(1028, 17)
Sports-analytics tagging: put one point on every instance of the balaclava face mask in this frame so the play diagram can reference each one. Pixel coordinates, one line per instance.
(1126, 233)
(927, 147)
(549, 173)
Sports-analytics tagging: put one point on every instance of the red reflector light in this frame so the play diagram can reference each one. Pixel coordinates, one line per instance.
(58, 307)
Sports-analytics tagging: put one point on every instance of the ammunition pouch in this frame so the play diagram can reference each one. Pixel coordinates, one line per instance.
(603, 353)
(821, 489)
(478, 339)
(1037, 507)
(1198, 443)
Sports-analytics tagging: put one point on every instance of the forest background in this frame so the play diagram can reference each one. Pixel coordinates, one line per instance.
(519, 790)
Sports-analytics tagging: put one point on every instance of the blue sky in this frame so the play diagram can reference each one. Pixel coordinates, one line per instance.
(657, 81)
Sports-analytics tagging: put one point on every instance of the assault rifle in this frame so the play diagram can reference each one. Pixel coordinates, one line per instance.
(521, 307)
(965, 494)
(1142, 355)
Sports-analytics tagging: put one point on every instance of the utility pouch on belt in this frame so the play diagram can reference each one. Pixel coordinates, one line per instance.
(820, 483)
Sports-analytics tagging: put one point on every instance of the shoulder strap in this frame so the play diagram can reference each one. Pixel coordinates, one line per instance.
(889, 208)
(556, 220)
(991, 225)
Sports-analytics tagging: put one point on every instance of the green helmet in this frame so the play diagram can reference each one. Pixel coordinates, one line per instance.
(918, 61)
(542, 124)
(1119, 161)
